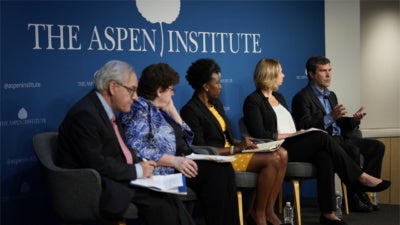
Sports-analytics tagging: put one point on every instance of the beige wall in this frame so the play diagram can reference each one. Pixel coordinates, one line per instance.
(391, 170)
(363, 43)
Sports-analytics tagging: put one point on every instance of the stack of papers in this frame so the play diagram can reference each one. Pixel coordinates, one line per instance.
(307, 131)
(216, 158)
(266, 146)
(171, 183)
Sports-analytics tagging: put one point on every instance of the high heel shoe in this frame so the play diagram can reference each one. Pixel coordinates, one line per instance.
(385, 184)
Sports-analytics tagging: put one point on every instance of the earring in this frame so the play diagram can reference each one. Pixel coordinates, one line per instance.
(206, 89)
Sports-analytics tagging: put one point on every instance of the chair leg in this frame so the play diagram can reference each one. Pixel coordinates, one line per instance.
(345, 199)
(296, 188)
(112, 222)
(240, 206)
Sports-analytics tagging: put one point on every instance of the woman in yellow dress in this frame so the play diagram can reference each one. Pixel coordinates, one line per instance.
(205, 115)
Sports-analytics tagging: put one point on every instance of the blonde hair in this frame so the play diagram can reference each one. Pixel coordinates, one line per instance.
(266, 74)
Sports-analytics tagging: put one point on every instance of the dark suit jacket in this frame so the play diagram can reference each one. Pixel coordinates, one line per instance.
(87, 140)
(259, 117)
(203, 123)
(308, 111)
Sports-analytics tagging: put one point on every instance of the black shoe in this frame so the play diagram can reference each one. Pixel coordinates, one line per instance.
(324, 220)
(356, 205)
(366, 200)
(375, 207)
(385, 184)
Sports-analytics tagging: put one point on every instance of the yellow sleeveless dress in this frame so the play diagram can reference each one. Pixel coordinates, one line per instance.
(242, 159)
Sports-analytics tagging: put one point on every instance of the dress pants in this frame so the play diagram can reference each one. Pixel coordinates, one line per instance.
(215, 185)
(329, 157)
(158, 208)
(373, 152)
(325, 182)
(154, 208)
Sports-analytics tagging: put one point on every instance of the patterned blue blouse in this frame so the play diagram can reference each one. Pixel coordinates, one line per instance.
(149, 135)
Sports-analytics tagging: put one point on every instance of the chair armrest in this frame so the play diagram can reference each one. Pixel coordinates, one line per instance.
(205, 150)
(71, 186)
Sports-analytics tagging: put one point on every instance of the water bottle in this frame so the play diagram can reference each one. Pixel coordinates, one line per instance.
(288, 214)
(374, 198)
(338, 205)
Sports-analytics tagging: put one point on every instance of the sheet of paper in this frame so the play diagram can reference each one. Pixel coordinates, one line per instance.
(216, 158)
(171, 183)
(266, 146)
(307, 131)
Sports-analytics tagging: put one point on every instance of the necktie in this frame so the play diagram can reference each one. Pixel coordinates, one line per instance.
(125, 150)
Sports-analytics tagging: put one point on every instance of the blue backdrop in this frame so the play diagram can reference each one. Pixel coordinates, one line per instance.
(51, 49)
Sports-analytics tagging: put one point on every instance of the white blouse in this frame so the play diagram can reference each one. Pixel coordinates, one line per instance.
(284, 120)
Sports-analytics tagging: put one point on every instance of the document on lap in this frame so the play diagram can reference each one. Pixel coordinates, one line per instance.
(270, 146)
(307, 131)
(216, 158)
(171, 183)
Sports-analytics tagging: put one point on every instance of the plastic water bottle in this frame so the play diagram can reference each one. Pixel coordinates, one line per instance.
(338, 205)
(374, 198)
(288, 214)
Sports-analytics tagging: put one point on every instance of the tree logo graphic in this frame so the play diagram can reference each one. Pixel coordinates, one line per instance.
(159, 11)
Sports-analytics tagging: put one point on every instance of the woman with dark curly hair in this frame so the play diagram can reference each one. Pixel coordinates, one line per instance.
(156, 131)
(205, 115)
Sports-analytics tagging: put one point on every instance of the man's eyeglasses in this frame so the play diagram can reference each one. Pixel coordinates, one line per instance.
(131, 91)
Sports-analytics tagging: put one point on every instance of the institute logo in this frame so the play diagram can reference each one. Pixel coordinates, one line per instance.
(23, 119)
(159, 11)
(112, 38)
(22, 114)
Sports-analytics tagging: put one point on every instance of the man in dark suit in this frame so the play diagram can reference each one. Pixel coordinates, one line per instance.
(316, 106)
(89, 139)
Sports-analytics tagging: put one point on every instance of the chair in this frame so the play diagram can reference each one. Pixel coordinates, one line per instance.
(74, 193)
(295, 173)
(245, 181)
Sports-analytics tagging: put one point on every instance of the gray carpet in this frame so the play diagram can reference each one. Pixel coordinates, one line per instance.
(387, 215)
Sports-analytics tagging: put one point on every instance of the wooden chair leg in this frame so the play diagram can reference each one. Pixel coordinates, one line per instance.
(280, 201)
(240, 206)
(106, 222)
(296, 188)
(109, 222)
(345, 199)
